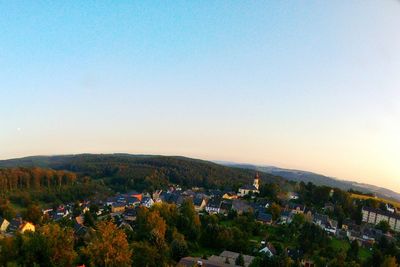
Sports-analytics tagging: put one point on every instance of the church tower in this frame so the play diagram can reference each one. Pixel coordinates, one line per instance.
(256, 182)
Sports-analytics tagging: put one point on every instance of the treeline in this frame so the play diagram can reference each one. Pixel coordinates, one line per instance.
(12, 179)
(124, 172)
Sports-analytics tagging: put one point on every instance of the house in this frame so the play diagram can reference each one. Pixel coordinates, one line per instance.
(157, 196)
(230, 195)
(293, 196)
(250, 188)
(80, 230)
(296, 208)
(135, 194)
(269, 250)
(111, 200)
(132, 201)
(241, 206)
(172, 197)
(226, 206)
(286, 217)
(232, 256)
(20, 226)
(225, 259)
(199, 262)
(307, 263)
(213, 193)
(147, 202)
(130, 215)
(390, 208)
(325, 223)
(214, 206)
(3, 224)
(348, 224)
(124, 225)
(265, 218)
(118, 207)
(199, 203)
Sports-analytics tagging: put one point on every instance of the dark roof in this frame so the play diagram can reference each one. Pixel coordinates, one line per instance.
(249, 187)
(130, 212)
(132, 200)
(242, 206)
(214, 203)
(294, 206)
(190, 262)
(226, 205)
(215, 192)
(14, 225)
(80, 229)
(197, 201)
(264, 217)
(286, 213)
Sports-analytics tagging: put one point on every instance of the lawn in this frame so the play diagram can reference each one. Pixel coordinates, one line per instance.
(338, 245)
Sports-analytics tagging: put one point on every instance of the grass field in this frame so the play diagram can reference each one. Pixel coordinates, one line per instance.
(338, 245)
(394, 203)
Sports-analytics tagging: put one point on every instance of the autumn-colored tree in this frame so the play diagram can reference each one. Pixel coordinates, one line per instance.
(108, 247)
(60, 244)
(275, 210)
(33, 214)
(151, 226)
(389, 261)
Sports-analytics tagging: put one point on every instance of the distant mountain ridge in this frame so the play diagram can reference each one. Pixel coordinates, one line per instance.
(319, 179)
(123, 167)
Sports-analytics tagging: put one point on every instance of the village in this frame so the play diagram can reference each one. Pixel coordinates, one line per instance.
(122, 208)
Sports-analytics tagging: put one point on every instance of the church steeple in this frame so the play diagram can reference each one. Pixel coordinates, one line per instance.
(256, 182)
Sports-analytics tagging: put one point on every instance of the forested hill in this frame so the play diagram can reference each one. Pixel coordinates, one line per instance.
(125, 171)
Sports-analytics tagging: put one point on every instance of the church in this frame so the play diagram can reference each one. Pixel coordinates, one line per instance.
(250, 188)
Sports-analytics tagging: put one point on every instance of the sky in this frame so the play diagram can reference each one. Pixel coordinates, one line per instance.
(309, 85)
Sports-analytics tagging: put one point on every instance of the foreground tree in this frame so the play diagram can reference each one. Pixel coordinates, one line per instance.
(389, 262)
(59, 244)
(108, 247)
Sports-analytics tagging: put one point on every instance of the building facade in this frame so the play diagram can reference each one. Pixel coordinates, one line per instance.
(374, 216)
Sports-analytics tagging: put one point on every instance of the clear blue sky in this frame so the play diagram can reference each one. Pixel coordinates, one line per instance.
(313, 86)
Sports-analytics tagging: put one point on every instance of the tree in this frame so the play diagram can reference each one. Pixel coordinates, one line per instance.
(88, 219)
(352, 253)
(108, 246)
(383, 226)
(240, 260)
(179, 247)
(33, 214)
(151, 226)
(144, 254)
(275, 210)
(59, 244)
(189, 221)
(389, 261)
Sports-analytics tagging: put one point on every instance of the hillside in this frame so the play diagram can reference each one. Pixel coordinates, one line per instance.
(318, 179)
(125, 171)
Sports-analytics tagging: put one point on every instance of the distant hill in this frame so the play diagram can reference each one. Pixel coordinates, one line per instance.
(126, 171)
(318, 179)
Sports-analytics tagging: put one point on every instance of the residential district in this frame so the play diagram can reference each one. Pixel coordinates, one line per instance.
(123, 208)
